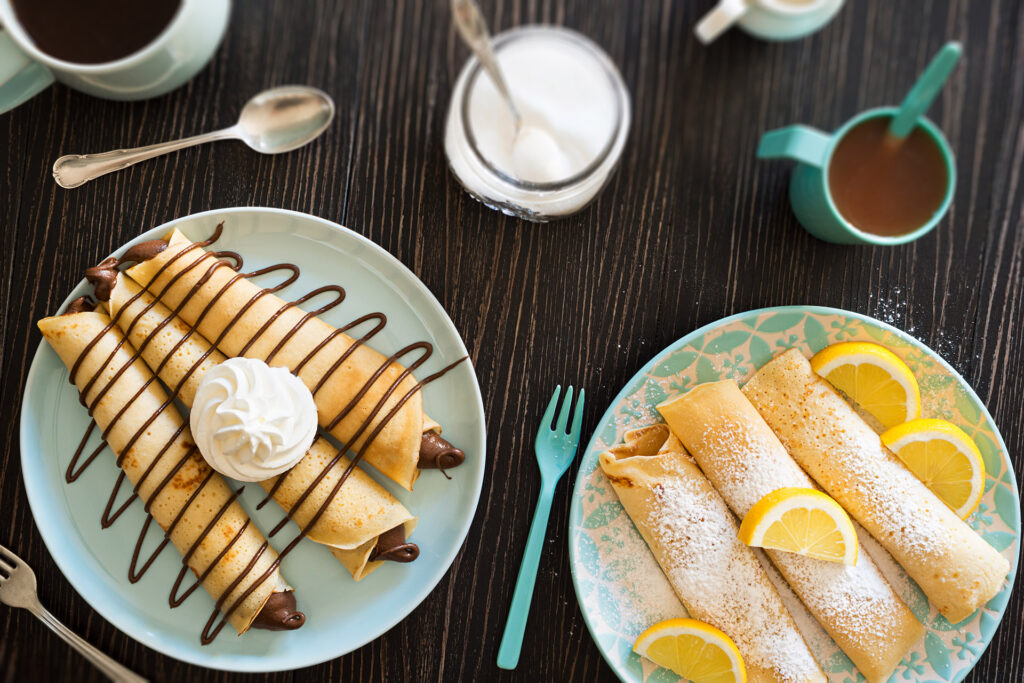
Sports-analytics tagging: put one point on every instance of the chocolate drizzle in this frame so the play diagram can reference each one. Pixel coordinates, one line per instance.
(435, 451)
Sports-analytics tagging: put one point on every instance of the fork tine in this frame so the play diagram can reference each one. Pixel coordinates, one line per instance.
(577, 419)
(549, 414)
(9, 558)
(5, 566)
(563, 414)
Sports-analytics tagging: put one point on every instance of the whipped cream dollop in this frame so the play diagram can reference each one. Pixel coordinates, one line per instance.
(251, 421)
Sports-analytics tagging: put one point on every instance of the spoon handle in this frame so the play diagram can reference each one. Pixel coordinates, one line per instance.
(73, 170)
(927, 87)
(473, 29)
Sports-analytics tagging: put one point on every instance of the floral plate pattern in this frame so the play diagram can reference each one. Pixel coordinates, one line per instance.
(619, 585)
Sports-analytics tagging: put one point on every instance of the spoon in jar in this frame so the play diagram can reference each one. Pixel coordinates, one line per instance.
(274, 121)
(473, 29)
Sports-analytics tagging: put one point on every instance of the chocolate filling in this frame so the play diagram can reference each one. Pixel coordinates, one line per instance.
(82, 304)
(279, 614)
(103, 277)
(437, 453)
(391, 547)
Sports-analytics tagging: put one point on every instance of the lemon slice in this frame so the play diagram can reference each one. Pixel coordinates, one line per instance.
(803, 521)
(942, 456)
(692, 649)
(874, 377)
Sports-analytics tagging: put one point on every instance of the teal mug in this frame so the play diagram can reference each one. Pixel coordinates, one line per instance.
(809, 193)
(175, 56)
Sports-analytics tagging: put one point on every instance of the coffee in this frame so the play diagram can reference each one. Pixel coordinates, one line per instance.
(887, 186)
(93, 31)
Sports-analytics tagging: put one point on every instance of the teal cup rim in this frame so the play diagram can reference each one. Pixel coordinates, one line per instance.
(935, 134)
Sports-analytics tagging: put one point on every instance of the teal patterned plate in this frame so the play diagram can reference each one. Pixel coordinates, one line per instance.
(619, 585)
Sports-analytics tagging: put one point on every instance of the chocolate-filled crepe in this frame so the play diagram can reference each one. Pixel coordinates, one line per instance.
(356, 389)
(358, 517)
(191, 503)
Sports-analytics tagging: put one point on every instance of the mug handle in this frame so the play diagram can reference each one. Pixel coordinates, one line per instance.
(715, 22)
(800, 143)
(20, 78)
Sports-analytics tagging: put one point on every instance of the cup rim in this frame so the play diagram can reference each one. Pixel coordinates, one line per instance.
(935, 133)
(9, 22)
(787, 10)
(616, 84)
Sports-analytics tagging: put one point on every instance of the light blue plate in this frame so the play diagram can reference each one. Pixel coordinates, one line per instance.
(341, 614)
(619, 585)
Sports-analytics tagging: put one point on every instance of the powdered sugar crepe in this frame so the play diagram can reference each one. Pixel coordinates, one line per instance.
(621, 590)
(953, 565)
(744, 461)
(694, 537)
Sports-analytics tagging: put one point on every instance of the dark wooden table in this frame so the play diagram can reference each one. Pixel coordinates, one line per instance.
(690, 229)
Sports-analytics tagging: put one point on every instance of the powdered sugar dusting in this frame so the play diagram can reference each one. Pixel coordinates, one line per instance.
(640, 585)
(743, 465)
(721, 581)
(745, 461)
(859, 467)
(624, 572)
(953, 565)
(856, 602)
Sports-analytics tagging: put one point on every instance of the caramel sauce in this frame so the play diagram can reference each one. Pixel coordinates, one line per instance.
(887, 186)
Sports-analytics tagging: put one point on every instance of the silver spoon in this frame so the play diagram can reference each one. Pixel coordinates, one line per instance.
(274, 121)
(473, 30)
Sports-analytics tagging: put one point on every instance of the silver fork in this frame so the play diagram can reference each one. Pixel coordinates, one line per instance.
(18, 589)
(555, 450)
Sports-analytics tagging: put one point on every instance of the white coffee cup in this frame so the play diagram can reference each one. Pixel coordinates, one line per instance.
(176, 55)
(772, 12)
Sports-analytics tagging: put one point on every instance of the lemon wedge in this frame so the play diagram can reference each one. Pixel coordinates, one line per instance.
(803, 521)
(942, 456)
(692, 649)
(874, 377)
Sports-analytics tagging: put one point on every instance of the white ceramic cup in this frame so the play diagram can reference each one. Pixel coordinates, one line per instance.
(728, 12)
(176, 55)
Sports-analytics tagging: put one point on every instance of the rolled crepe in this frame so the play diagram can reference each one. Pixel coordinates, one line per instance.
(151, 438)
(745, 461)
(356, 517)
(953, 565)
(693, 536)
(240, 318)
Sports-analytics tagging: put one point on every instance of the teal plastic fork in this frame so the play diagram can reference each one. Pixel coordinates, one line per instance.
(555, 449)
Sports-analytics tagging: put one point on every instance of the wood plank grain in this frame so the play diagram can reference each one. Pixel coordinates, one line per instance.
(691, 228)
